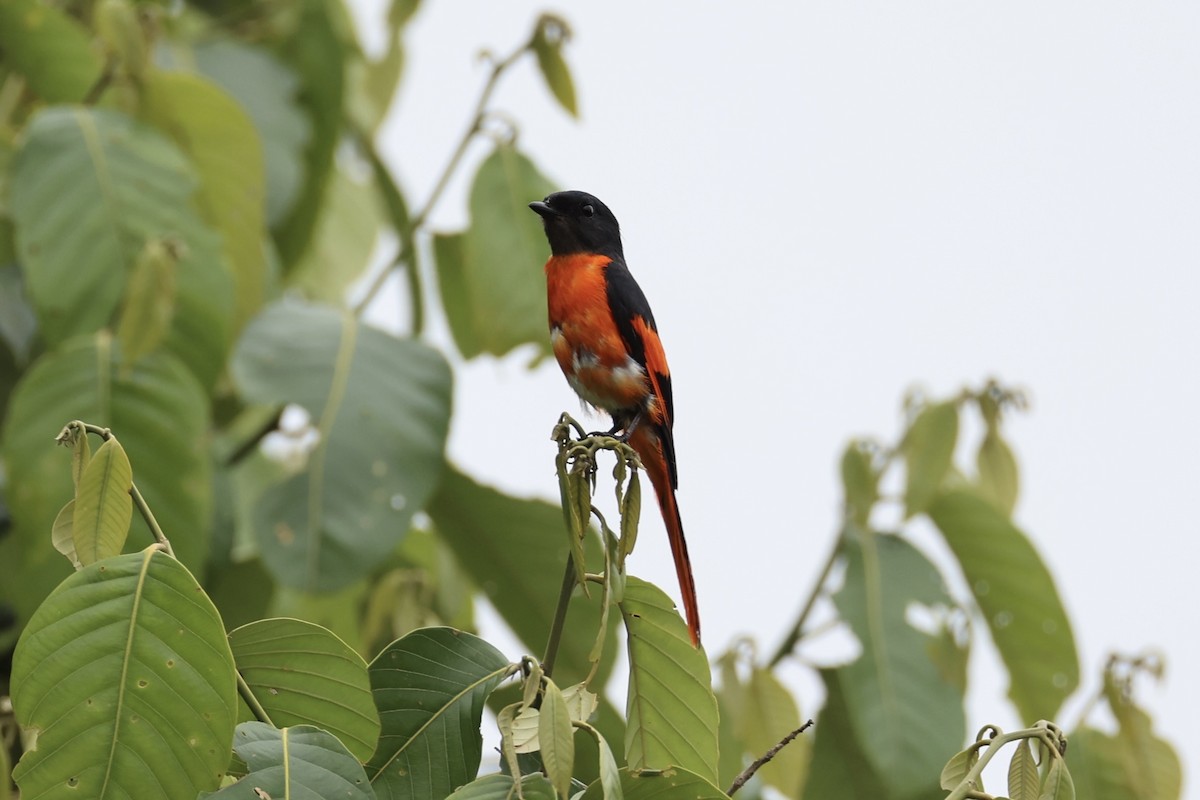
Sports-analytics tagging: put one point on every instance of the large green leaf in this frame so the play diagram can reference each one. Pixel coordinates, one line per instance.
(343, 243)
(1018, 599)
(381, 407)
(430, 687)
(89, 188)
(491, 276)
(839, 766)
(317, 50)
(298, 763)
(125, 678)
(223, 145)
(928, 451)
(270, 100)
(908, 720)
(671, 708)
(303, 674)
(1104, 768)
(516, 552)
(673, 784)
(49, 48)
(500, 787)
(160, 414)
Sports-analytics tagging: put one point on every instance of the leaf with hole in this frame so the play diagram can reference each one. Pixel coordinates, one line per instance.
(126, 680)
(303, 674)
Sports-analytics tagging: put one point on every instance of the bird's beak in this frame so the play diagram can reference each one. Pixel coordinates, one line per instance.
(543, 210)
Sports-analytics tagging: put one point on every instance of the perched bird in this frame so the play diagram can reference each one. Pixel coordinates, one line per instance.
(604, 338)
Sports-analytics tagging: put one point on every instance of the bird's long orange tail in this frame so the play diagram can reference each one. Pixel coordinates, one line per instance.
(646, 442)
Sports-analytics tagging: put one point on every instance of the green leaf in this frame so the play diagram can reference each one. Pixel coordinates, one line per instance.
(500, 787)
(118, 27)
(671, 709)
(103, 507)
(1024, 783)
(958, 767)
(342, 246)
(1099, 768)
(301, 763)
(222, 143)
(89, 188)
(548, 43)
(906, 718)
(271, 101)
(126, 680)
(673, 784)
(840, 767)
(318, 52)
(1058, 784)
(610, 771)
(161, 415)
(430, 688)
(998, 478)
(18, 325)
(1018, 600)
(491, 278)
(303, 674)
(860, 483)
(928, 450)
(1149, 762)
(515, 552)
(49, 48)
(770, 713)
(149, 301)
(62, 536)
(556, 738)
(381, 409)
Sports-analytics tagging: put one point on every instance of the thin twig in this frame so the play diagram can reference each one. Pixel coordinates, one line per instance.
(789, 643)
(560, 617)
(749, 771)
(256, 708)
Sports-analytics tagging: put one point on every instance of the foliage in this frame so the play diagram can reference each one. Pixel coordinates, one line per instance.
(258, 524)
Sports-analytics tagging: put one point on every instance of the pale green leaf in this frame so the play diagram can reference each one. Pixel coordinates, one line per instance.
(1058, 784)
(581, 703)
(556, 738)
(610, 771)
(149, 301)
(860, 483)
(118, 27)
(50, 49)
(673, 784)
(1098, 764)
(298, 763)
(61, 535)
(548, 43)
(343, 243)
(126, 680)
(303, 674)
(103, 507)
(1150, 762)
(81, 455)
(381, 408)
(958, 767)
(1018, 599)
(222, 143)
(89, 188)
(770, 713)
(500, 787)
(491, 279)
(907, 719)
(526, 730)
(999, 481)
(671, 710)
(1024, 782)
(430, 688)
(928, 450)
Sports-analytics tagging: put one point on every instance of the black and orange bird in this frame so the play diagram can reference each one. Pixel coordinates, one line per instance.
(604, 338)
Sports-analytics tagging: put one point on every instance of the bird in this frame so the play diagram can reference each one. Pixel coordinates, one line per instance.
(604, 338)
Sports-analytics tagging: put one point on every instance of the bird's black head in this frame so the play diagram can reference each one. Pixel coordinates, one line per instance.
(577, 222)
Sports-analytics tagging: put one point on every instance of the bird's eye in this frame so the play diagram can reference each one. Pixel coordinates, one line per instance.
(588, 211)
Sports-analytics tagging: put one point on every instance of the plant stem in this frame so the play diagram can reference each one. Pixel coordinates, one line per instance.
(749, 771)
(256, 708)
(797, 632)
(405, 256)
(560, 617)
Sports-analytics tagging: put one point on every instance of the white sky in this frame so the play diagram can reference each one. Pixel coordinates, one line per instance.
(828, 203)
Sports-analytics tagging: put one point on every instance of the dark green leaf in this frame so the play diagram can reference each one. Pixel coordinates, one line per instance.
(300, 763)
(928, 450)
(673, 784)
(998, 478)
(49, 48)
(430, 688)
(491, 278)
(103, 508)
(516, 552)
(304, 675)
(89, 188)
(1018, 599)
(671, 709)
(840, 767)
(556, 738)
(500, 787)
(906, 718)
(221, 141)
(381, 409)
(125, 677)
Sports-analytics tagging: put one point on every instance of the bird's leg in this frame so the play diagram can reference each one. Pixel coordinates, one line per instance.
(632, 426)
(610, 432)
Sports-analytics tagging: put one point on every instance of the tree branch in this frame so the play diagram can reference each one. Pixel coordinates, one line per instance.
(749, 771)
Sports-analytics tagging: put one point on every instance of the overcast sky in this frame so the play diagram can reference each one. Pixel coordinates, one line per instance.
(830, 203)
